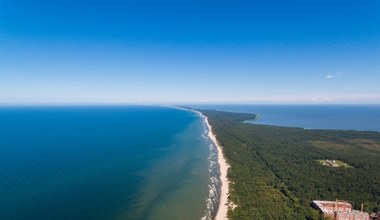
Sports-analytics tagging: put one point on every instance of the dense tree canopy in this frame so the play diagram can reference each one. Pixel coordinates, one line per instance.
(275, 173)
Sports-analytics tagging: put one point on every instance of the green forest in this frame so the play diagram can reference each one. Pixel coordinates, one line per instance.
(275, 171)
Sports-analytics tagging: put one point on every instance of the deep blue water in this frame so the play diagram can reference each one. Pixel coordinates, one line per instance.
(129, 162)
(346, 117)
(103, 163)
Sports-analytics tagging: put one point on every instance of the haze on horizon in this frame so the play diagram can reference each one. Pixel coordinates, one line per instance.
(319, 51)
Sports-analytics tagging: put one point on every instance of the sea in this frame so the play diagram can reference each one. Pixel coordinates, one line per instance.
(106, 162)
(130, 162)
(358, 117)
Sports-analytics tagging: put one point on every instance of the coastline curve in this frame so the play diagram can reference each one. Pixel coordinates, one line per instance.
(221, 213)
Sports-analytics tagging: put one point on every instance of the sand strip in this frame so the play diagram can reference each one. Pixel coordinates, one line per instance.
(221, 214)
(223, 201)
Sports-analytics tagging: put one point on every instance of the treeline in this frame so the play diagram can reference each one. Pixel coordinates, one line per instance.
(275, 173)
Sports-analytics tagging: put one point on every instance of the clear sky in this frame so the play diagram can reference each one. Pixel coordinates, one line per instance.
(71, 51)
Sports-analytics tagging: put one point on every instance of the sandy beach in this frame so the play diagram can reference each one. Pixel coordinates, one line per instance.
(223, 202)
(221, 213)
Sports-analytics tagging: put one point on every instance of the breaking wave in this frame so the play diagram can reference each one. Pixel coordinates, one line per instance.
(214, 185)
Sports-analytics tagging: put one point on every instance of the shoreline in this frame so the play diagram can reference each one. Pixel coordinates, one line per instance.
(221, 213)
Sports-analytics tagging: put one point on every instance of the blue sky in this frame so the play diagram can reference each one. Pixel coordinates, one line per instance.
(321, 51)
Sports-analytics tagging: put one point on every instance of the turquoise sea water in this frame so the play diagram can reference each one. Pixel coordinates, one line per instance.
(346, 117)
(105, 163)
(129, 162)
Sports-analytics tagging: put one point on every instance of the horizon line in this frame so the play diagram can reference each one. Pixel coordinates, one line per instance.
(177, 103)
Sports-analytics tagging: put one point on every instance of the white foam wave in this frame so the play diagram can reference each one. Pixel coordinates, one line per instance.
(213, 197)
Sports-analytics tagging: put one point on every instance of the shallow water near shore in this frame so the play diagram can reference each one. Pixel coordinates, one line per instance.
(105, 163)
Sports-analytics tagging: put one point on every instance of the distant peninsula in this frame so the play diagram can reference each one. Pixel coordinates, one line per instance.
(275, 172)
